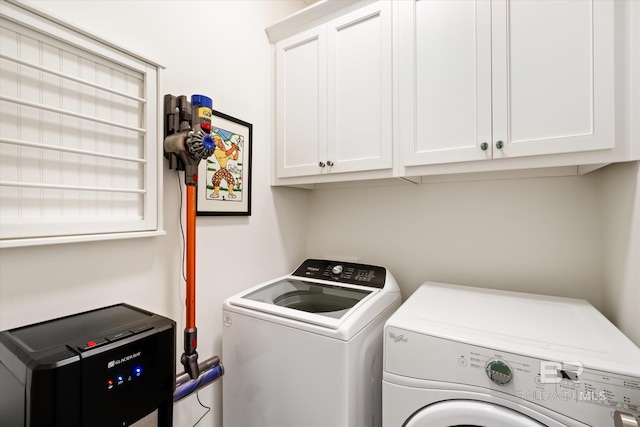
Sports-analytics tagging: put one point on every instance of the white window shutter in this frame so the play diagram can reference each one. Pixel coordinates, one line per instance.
(79, 143)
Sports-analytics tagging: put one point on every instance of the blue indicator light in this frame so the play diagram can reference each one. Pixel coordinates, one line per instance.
(137, 371)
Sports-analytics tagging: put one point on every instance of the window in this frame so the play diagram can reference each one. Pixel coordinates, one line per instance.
(79, 148)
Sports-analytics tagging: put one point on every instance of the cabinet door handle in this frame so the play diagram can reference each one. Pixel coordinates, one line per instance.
(484, 146)
(329, 163)
(499, 145)
(321, 164)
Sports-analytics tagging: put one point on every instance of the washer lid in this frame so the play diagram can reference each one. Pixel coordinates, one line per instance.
(312, 302)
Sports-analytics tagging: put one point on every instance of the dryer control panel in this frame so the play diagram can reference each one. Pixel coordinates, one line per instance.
(343, 272)
(567, 387)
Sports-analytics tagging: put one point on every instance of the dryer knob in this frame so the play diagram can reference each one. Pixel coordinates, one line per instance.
(337, 270)
(499, 372)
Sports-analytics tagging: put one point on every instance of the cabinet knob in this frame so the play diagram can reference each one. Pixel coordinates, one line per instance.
(321, 164)
(329, 163)
(484, 146)
(499, 145)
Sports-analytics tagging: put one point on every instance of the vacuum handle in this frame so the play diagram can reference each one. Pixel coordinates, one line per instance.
(189, 358)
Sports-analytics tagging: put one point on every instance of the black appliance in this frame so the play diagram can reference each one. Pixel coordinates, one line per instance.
(107, 367)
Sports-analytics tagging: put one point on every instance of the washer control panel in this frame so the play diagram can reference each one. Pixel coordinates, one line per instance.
(343, 272)
(567, 387)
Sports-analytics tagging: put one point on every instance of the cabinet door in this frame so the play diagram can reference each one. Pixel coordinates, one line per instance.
(360, 80)
(552, 76)
(445, 81)
(301, 103)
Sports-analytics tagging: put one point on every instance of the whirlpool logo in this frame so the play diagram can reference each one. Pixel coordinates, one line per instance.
(397, 338)
(116, 362)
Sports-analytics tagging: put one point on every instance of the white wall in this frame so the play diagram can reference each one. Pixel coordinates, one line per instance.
(230, 64)
(621, 248)
(533, 235)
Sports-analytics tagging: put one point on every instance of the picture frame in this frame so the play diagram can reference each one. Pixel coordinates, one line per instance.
(224, 179)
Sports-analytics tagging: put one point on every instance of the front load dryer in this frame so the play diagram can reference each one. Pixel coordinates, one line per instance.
(305, 349)
(456, 355)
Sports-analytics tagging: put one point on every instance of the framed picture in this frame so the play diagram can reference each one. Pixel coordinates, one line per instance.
(224, 179)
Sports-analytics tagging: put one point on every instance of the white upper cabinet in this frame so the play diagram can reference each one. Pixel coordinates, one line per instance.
(406, 89)
(301, 106)
(497, 79)
(553, 76)
(334, 96)
(445, 80)
(359, 77)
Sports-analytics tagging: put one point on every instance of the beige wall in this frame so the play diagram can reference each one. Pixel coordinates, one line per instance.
(531, 235)
(575, 237)
(621, 247)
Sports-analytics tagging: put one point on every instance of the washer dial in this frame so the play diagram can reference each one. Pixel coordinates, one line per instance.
(499, 372)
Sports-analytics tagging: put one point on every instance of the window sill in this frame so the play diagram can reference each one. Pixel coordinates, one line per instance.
(14, 243)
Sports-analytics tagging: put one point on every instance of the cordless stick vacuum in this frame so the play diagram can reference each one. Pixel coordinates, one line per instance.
(188, 141)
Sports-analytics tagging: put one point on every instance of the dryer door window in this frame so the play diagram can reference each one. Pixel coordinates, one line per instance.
(469, 413)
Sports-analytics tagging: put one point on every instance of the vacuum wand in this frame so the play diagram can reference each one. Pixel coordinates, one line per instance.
(187, 142)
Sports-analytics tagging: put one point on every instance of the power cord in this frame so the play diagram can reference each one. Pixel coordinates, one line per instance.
(208, 409)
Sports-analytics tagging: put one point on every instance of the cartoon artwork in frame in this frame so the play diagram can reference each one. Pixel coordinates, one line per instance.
(224, 179)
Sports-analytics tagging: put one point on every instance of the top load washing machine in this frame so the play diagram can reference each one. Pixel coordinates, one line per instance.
(455, 355)
(305, 349)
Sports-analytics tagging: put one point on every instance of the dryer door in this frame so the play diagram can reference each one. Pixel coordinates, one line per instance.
(469, 413)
